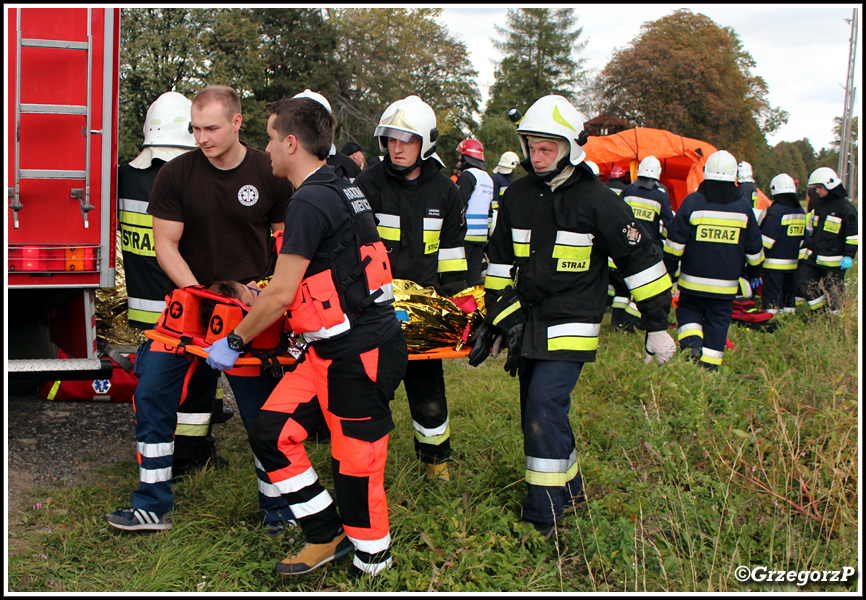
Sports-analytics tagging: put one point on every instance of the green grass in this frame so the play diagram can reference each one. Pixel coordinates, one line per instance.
(689, 475)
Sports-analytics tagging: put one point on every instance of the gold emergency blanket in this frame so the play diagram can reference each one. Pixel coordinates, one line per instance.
(430, 321)
(112, 314)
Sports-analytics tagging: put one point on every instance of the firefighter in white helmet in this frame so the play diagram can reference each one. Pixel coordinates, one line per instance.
(782, 231)
(502, 175)
(712, 235)
(546, 290)
(651, 205)
(476, 191)
(832, 244)
(422, 222)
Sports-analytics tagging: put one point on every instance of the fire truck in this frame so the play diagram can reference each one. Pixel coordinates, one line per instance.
(62, 119)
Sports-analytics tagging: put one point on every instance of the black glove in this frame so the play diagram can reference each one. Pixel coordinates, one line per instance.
(482, 341)
(515, 341)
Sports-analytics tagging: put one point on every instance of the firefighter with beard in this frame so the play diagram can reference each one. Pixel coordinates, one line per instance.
(546, 291)
(421, 221)
(832, 245)
(782, 230)
(713, 234)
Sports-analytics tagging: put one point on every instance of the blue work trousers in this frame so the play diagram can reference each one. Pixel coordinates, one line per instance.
(552, 474)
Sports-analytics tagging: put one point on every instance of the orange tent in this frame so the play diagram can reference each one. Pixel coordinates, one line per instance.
(682, 158)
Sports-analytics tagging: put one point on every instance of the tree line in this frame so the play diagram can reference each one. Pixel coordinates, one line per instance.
(682, 72)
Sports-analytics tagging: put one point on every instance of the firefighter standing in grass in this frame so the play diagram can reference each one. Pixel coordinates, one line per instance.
(546, 289)
(476, 191)
(213, 212)
(782, 231)
(333, 277)
(421, 222)
(713, 234)
(651, 205)
(832, 244)
(166, 136)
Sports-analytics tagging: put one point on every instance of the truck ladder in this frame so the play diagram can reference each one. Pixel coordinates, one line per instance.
(83, 195)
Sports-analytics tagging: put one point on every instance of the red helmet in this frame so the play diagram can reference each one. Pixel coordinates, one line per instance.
(471, 148)
(617, 172)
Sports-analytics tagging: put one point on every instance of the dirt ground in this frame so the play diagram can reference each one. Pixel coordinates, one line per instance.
(50, 441)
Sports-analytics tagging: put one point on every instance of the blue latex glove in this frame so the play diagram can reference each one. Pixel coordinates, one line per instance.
(846, 263)
(220, 356)
(755, 283)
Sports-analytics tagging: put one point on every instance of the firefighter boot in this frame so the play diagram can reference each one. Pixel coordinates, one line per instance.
(437, 472)
(313, 556)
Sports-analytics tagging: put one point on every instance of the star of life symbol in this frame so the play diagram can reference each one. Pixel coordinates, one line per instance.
(248, 195)
(101, 386)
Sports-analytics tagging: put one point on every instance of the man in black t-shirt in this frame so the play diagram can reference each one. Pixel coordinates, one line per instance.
(333, 281)
(213, 211)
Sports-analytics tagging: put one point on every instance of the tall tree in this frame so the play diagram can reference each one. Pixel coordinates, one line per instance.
(390, 53)
(541, 48)
(161, 51)
(686, 74)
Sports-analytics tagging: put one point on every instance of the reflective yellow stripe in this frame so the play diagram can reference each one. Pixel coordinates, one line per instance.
(143, 316)
(713, 360)
(551, 479)
(431, 236)
(511, 309)
(572, 343)
(53, 392)
(433, 440)
(191, 430)
(125, 217)
(652, 289)
(572, 252)
(389, 233)
(521, 250)
(476, 238)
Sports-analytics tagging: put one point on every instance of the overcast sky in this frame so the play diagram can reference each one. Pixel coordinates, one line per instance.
(801, 50)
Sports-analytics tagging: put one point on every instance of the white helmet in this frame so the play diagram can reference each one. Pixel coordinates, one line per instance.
(650, 167)
(168, 122)
(782, 184)
(824, 176)
(553, 116)
(308, 93)
(744, 172)
(721, 166)
(592, 166)
(405, 118)
(507, 162)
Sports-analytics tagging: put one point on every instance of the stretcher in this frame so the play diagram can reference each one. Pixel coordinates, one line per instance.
(249, 361)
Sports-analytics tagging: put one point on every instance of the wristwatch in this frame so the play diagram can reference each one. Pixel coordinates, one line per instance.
(236, 342)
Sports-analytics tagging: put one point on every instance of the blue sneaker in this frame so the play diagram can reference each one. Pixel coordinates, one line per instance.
(136, 519)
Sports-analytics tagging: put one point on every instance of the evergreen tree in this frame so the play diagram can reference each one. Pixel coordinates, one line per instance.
(541, 50)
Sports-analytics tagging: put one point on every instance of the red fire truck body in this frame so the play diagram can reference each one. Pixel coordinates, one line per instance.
(62, 118)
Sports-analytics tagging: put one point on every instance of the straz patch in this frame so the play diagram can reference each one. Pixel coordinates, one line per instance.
(632, 235)
(722, 235)
(832, 226)
(571, 265)
(644, 214)
(796, 230)
(431, 247)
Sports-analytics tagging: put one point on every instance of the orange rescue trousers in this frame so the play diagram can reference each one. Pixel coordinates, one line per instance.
(352, 394)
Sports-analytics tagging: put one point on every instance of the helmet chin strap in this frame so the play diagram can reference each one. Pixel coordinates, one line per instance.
(401, 169)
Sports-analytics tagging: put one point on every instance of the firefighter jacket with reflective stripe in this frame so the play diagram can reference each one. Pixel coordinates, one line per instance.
(552, 246)
(652, 207)
(782, 232)
(348, 274)
(835, 232)
(476, 190)
(422, 224)
(501, 181)
(146, 282)
(710, 242)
